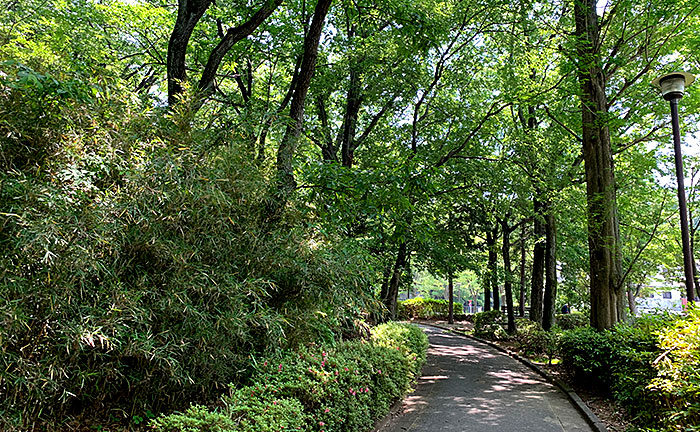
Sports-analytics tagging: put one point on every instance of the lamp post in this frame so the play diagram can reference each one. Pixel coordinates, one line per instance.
(672, 87)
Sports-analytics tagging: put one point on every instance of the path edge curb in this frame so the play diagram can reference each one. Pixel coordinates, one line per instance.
(574, 398)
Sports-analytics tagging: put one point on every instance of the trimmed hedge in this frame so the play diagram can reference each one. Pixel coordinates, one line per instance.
(622, 363)
(426, 308)
(344, 388)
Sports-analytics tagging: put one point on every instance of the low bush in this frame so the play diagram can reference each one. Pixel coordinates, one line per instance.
(572, 320)
(489, 325)
(426, 308)
(410, 340)
(620, 362)
(677, 381)
(343, 388)
(588, 355)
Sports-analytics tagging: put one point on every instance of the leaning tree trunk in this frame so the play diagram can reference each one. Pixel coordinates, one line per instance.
(285, 153)
(607, 301)
(189, 12)
(538, 254)
(550, 264)
(392, 293)
(507, 284)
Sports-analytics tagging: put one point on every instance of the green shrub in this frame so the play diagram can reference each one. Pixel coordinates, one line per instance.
(678, 373)
(197, 418)
(489, 325)
(619, 362)
(572, 320)
(426, 308)
(530, 338)
(344, 388)
(141, 279)
(589, 356)
(411, 340)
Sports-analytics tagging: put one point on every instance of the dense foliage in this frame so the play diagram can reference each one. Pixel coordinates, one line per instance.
(637, 364)
(140, 272)
(489, 325)
(427, 308)
(186, 187)
(343, 388)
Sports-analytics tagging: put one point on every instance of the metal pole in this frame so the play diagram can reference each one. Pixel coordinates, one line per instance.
(682, 207)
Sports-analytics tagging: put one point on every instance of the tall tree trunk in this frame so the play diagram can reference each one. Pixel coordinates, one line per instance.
(450, 300)
(507, 284)
(607, 302)
(352, 110)
(188, 15)
(521, 299)
(189, 12)
(393, 289)
(550, 264)
(491, 238)
(487, 290)
(537, 287)
(285, 153)
(631, 297)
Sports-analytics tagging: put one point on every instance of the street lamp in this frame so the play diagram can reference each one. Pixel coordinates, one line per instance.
(672, 88)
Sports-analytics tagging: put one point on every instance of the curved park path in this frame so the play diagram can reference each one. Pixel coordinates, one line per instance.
(470, 386)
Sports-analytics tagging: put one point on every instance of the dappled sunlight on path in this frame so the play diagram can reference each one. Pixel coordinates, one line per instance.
(467, 385)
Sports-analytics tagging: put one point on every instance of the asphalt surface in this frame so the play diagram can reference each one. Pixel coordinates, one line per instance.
(470, 386)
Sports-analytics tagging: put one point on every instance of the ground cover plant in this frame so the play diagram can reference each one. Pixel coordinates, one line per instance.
(346, 387)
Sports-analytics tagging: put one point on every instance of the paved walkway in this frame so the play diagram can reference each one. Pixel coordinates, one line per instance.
(470, 386)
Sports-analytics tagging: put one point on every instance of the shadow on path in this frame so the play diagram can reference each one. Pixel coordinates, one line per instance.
(469, 386)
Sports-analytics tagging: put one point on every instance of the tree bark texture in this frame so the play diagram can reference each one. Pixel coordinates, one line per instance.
(538, 253)
(487, 291)
(550, 265)
(188, 15)
(491, 238)
(607, 302)
(450, 300)
(507, 284)
(189, 12)
(631, 297)
(232, 36)
(521, 299)
(285, 153)
(392, 293)
(352, 110)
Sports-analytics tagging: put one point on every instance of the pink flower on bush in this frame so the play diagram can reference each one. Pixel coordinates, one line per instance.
(321, 423)
(280, 367)
(326, 410)
(379, 371)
